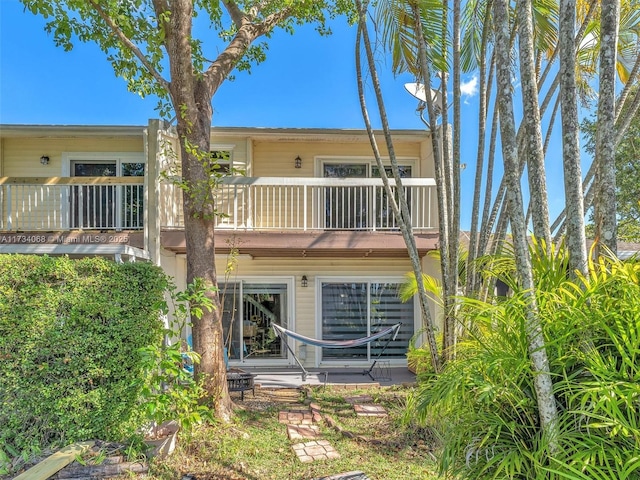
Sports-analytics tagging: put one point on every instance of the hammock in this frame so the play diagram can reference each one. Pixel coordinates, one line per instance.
(356, 342)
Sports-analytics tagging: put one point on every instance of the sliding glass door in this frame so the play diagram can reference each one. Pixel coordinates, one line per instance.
(249, 310)
(358, 309)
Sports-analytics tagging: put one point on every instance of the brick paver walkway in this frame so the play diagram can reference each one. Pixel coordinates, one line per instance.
(301, 432)
(315, 450)
(370, 410)
(295, 417)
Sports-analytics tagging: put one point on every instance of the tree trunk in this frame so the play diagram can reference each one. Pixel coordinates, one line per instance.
(401, 208)
(576, 241)
(539, 203)
(442, 187)
(200, 245)
(543, 385)
(192, 101)
(605, 202)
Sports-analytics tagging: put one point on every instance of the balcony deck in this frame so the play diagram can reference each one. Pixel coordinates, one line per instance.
(274, 216)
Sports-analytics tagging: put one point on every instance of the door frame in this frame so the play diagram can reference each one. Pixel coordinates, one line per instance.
(90, 157)
(289, 281)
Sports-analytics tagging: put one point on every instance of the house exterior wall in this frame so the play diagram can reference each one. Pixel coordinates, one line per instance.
(257, 153)
(21, 155)
(277, 158)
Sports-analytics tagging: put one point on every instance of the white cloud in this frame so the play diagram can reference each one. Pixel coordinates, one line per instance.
(470, 88)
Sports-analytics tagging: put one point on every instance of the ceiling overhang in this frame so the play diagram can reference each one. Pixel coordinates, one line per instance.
(331, 244)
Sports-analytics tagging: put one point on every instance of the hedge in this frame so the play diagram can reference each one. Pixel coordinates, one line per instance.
(70, 338)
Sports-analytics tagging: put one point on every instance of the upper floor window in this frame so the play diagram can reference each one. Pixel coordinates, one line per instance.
(224, 161)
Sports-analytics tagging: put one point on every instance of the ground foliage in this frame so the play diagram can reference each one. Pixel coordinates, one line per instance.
(70, 338)
(255, 445)
(484, 403)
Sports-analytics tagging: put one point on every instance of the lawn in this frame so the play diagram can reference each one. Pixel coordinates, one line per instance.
(256, 446)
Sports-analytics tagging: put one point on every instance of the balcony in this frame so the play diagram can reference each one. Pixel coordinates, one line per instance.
(71, 203)
(243, 203)
(313, 204)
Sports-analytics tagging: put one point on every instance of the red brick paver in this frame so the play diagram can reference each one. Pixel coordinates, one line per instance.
(315, 450)
(370, 410)
(295, 417)
(300, 432)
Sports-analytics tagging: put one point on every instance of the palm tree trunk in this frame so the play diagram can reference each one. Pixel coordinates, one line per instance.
(543, 385)
(570, 143)
(605, 201)
(401, 208)
(539, 202)
(443, 188)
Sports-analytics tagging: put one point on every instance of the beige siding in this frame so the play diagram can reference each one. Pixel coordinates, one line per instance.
(305, 303)
(37, 207)
(276, 159)
(21, 156)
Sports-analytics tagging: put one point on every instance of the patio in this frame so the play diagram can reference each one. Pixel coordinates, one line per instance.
(291, 377)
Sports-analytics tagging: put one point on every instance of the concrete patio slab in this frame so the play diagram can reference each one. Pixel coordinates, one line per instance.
(346, 377)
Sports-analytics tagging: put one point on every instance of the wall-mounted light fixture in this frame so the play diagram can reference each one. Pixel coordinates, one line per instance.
(298, 162)
(44, 160)
(304, 281)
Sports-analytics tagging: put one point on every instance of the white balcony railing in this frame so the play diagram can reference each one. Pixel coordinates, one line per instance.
(259, 203)
(294, 203)
(71, 203)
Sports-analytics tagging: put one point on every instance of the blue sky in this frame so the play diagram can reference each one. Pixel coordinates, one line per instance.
(306, 81)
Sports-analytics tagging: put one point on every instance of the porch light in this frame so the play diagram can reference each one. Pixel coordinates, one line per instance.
(44, 160)
(298, 162)
(304, 281)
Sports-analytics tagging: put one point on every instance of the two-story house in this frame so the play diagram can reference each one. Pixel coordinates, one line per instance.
(305, 237)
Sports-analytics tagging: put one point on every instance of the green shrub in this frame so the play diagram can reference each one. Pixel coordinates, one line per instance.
(484, 402)
(70, 338)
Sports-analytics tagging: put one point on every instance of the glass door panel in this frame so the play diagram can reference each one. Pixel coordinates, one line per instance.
(93, 206)
(346, 207)
(384, 212)
(249, 310)
(356, 310)
(132, 201)
(344, 317)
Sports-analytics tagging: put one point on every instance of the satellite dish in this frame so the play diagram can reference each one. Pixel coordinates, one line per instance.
(418, 91)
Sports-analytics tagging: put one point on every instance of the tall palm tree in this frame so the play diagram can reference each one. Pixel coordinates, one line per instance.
(605, 201)
(533, 147)
(400, 207)
(404, 29)
(570, 144)
(547, 408)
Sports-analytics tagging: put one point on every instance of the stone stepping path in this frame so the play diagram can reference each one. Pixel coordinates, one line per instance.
(302, 432)
(359, 399)
(370, 410)
(315, 450)
(301, 426)
(296, 417)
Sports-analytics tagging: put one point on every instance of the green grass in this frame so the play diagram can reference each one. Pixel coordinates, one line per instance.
(256, 446)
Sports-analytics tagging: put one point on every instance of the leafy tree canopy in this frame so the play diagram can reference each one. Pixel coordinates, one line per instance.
(135, 34)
